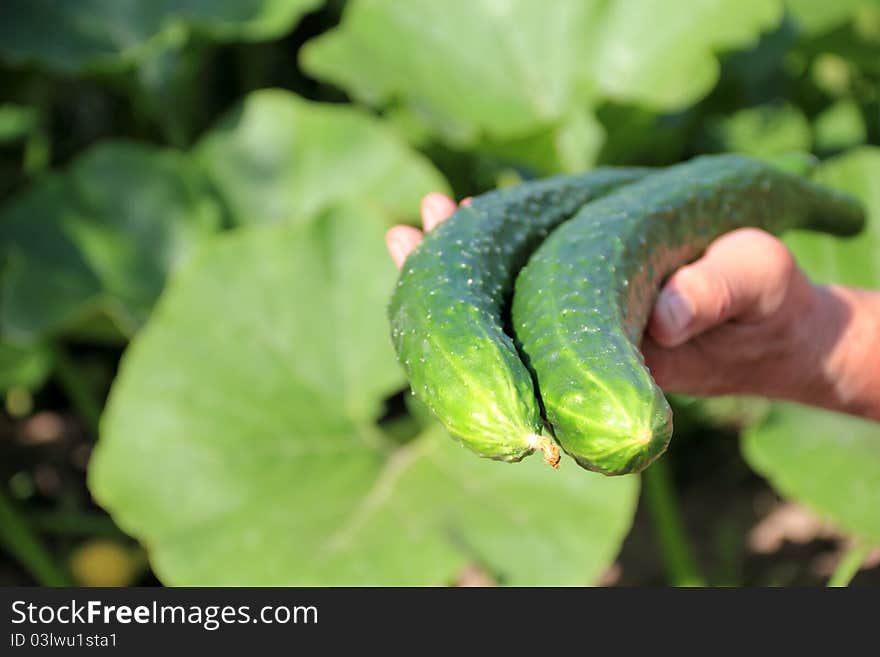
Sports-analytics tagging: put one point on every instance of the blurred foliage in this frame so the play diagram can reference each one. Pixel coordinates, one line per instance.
(239, 161)
(279, 158)
(536, 68)
(825, 460)
(110, 35)
(763, 130)
(854, 261)
(100, 238)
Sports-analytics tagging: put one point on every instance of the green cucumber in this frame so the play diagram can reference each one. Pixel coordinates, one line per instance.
(447, 312)
(584, 298)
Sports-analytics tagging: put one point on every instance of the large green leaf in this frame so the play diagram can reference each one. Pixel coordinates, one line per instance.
(278, 157)
(487, 69)
(828, 461)
(100, 238)
(468, 66)
(238, 443)
(854, 261)
(660, 51)
(112, 34)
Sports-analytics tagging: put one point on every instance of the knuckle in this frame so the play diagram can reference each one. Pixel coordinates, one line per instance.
(770, 250)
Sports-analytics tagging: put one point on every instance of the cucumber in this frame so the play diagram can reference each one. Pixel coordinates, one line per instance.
(584, 298)
(447, 312)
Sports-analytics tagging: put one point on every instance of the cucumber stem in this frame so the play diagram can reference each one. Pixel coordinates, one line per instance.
(849, 565)
(547, 446)
(678, 558)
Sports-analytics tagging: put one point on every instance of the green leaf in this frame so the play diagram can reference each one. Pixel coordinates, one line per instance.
(570, 146)
(827, 461)
(660, 52)
(102, 35)
(636, 134)
(24, 366)
(244, 20)
(250, 456)
(762, 131)
(16, 121)
(100, 238)
(817, 16)
(278, 157)
(482, 69)
(851, 261)
(839, 127)
(471, 65)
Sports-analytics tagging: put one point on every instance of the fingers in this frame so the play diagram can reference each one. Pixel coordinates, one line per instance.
(743, 275)
(436, 208)
(401, 240)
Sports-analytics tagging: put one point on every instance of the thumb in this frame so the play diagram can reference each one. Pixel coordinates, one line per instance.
(743, 275)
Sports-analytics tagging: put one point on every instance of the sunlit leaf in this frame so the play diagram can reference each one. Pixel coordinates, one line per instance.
(660, 52)
(497, 70)
(279, 157)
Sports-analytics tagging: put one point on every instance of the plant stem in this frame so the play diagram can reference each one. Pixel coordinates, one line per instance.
(849, 565)
(77, 389)
(25, 546)
(74, 524)
(678, 559)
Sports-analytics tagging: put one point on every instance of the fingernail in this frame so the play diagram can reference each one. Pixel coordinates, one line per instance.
(676, 313)
(434, 208)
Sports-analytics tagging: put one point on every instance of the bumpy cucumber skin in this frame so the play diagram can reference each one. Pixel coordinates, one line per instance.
(584, 298)
(446, 312)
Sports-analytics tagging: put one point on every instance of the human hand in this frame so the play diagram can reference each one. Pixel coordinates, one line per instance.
(744, 319)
